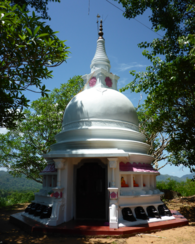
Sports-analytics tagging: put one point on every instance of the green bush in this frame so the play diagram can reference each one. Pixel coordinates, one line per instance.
(15, 198)
(2, 201)
(185, 188)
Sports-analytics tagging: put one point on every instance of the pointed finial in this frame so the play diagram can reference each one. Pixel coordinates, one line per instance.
(97, 19)
(101, 31)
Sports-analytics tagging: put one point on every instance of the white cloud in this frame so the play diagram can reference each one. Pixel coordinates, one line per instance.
(3, 130)
(123, 67)
(122, 81)
(114, 58)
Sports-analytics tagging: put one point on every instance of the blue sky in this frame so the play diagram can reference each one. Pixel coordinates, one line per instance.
(77, 25)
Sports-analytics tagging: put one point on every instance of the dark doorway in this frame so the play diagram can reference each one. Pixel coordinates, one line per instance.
(91, 191)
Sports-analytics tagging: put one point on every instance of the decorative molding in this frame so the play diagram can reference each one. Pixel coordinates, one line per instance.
(137, 167)
(125, 166)
(60, 163)
(92, 81)
(112, 162)
(99, 123)
(49, 168)
(105, 72)
(114, 195)
(113, 192)
(58, 192)
(108, 82)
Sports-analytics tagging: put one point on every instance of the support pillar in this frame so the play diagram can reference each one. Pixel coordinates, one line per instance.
(112, 165)
(60, 164)
(113, 192)
(57, 215)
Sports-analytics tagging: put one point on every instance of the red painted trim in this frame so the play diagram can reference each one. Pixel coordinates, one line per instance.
(137, 167)
(95, 228)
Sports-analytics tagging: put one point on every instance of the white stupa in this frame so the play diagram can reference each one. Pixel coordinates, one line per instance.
(99, 168)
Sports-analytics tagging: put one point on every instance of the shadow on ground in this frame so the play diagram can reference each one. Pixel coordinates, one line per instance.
(11, 234)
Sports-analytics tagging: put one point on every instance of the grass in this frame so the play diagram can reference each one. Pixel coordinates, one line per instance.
(185, 188)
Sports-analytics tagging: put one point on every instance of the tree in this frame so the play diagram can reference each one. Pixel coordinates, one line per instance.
(39, 5)
(158, 141)
(28, 48)
(21, 149)
(169, 82)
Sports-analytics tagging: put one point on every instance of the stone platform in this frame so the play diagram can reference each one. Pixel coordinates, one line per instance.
(96, 228)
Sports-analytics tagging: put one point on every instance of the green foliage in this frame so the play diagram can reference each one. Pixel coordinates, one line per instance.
(39, 5)
(185, 188)
(158, 141)
(9, 183)
(21, 149)
(15, 198)
(28, 48)
(16, 190)
(169, 82)
(188, 41)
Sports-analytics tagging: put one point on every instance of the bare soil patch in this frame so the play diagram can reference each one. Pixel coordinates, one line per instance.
(11, 234)
(186, 206)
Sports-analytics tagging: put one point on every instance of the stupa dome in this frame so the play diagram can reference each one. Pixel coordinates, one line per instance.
(107, 106)
(100, 121)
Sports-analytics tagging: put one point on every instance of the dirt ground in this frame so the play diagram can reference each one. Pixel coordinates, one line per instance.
(11, 234)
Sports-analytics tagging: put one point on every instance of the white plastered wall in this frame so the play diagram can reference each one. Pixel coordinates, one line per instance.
(68, 190)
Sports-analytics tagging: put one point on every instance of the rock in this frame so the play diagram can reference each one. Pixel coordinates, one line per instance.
(169, 194)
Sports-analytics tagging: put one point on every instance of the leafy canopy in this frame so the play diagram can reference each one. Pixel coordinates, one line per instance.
(39, 5)
(27, 48)
(158, 141)
(21, 149)
(169, 82)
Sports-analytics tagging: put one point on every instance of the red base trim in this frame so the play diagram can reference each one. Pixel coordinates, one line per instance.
(89, 228)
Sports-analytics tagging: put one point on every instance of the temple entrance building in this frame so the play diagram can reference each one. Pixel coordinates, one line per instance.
(99, 168)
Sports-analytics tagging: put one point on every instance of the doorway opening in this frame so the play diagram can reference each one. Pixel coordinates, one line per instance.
(91, 190)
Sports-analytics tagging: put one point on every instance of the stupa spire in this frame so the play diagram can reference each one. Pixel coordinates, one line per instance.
(100, 60)
(100, 34)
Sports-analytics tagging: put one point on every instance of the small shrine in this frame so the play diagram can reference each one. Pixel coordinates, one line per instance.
(99, 168)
